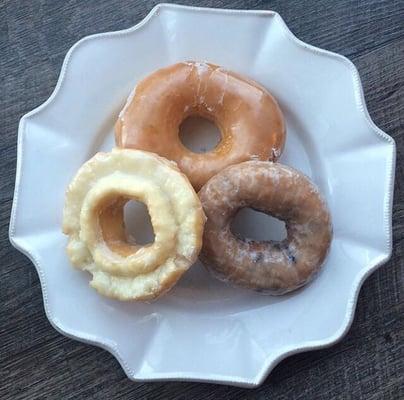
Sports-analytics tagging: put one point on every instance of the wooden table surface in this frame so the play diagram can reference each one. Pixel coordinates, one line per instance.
(38, 363)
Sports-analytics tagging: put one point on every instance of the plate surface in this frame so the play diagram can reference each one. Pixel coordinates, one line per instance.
(203, 329)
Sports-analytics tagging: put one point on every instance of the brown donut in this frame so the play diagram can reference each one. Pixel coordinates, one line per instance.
(250, 121)
(267, 266)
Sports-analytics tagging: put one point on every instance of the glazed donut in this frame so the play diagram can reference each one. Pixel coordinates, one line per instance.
(250, 121)
(93, 219)
(267, 266)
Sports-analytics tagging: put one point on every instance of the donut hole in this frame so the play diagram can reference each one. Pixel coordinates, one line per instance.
(252, 224)
(138, 226)
(125, 225)
(198, 134)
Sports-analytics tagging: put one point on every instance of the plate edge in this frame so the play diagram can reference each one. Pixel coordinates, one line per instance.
(362, 275)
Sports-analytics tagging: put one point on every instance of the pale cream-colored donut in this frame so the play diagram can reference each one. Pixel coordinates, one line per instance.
(93, 219)
(249, 118)
(266, 266)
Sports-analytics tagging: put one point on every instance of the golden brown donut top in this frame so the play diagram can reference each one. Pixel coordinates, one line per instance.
(250, 121)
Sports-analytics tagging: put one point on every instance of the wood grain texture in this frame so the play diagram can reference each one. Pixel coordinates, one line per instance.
(38, 363)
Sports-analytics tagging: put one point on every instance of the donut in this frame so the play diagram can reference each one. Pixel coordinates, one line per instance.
(248, 117)
(93, 219)
(271, 267)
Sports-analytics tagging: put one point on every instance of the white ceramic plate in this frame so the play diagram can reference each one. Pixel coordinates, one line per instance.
(204, 330)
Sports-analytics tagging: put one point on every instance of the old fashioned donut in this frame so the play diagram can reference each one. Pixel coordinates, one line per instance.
(266, 266)
(250, 121)
(94, 221)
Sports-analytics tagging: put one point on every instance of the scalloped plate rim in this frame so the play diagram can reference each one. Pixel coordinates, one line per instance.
(272, 360)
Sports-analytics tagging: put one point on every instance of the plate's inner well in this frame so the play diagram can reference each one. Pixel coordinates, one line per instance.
(201, 135)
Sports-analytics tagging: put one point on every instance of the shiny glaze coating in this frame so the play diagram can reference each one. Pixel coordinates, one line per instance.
(250, 121)
(266, 266)
(93, 218)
